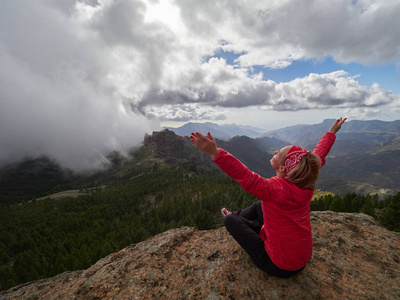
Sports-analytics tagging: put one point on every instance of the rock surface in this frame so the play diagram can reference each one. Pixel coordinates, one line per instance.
(354, 258)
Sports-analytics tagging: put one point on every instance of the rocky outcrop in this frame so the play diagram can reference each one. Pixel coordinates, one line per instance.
(354, 258)
(168, 146)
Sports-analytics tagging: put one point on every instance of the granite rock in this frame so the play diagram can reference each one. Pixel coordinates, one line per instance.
(353, 258)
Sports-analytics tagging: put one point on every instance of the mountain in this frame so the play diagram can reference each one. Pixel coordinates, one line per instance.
(353, 258)
(173, 148)
(165, 183)
(351, 166)
(365, 132)
(364, 158)
(32, 177)
(218, 131)
(359, 133)
(378, 167)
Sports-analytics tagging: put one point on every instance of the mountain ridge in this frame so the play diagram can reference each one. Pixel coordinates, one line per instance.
(225, 131)
(373, 132)
(377, 166)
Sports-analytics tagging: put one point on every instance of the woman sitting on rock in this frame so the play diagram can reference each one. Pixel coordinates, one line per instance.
(275, 231)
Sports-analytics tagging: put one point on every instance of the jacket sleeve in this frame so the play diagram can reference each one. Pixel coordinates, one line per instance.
(251, 182)
(324, 146)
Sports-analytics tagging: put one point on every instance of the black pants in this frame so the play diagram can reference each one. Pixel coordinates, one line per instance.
(245, 225)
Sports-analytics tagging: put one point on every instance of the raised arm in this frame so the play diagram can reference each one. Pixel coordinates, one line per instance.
(251, 182)
(326, 142)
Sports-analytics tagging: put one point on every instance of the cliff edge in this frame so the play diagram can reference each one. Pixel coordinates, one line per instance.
(354, 258)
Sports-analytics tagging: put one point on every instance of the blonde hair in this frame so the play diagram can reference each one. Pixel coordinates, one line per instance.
(306, 173)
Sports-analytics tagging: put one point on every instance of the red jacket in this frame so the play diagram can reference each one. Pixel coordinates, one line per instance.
(286, 208)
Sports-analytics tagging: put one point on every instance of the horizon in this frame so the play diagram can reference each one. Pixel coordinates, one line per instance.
(297, 124)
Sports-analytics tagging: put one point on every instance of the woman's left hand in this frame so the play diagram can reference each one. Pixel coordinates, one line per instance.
(337, 125)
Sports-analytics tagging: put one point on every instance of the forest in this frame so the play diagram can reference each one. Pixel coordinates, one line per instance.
(42, 238)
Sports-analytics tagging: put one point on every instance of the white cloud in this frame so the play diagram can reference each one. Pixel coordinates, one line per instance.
(71, 70)
(395, 105)
(275, 33)
(185, 113)
(328, 90)
(228, 87)
(58, 92)
(361, 113)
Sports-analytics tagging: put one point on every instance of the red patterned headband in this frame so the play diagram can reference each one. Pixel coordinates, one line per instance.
(293, 157)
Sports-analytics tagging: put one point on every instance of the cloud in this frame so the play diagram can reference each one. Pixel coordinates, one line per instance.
(226, 86)
(80, 78)
(185, 113)
(360, 113)
(275, 33)
(319, 91)
(58, 89)
(395, 105)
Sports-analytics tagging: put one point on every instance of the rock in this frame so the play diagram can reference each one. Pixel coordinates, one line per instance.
(354, 258)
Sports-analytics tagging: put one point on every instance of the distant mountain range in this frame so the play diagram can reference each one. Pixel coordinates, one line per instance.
(352, 165)
(226, 131)
(366, 132)
(364, 159)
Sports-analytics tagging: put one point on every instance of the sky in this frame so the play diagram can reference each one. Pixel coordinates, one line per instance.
(79, 79)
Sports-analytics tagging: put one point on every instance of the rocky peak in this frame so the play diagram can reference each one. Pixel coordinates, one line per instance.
(354, 258)
(167, 145)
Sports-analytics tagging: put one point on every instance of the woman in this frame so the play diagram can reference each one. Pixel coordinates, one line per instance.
(275, 231)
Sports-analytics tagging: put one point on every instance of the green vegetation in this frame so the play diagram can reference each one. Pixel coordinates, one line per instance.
(32, 178)
(387, 211)
(42, 238)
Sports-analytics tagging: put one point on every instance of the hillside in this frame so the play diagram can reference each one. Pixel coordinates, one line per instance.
(351, 166)
(167, 183)
(353, 258)
(366, 132)
(32, 177)
(365, 157)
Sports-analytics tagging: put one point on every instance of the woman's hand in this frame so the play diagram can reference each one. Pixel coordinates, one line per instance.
(337, 125)
(206, 144)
